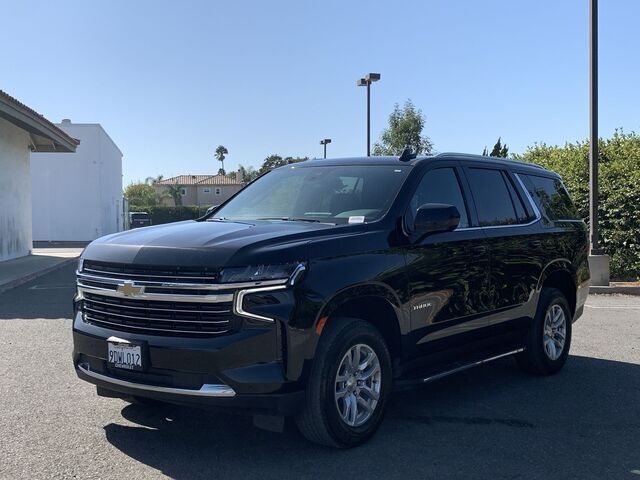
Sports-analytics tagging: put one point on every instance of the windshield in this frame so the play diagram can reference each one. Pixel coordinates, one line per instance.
(333, 194)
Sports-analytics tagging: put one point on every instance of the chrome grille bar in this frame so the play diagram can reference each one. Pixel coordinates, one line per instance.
(98, 321)
(151, 319)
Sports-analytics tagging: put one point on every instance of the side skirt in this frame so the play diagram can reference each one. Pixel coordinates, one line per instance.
(403, 384)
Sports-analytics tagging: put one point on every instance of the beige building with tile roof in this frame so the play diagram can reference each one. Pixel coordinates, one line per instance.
(201, 190)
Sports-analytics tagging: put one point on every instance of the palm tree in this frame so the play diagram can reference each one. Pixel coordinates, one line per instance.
(221, 151)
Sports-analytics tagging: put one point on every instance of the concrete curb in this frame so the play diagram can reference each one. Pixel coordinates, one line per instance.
(33, 275)
(614, 289)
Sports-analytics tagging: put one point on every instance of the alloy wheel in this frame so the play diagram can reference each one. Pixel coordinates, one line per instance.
(357, 385)
(555, 331)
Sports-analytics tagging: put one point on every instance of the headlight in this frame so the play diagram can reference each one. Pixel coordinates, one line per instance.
(255, 273)
(80, 263)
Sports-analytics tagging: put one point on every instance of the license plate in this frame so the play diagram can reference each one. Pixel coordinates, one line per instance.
(124, 354)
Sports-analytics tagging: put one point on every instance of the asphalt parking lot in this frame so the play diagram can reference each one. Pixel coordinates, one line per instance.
(491, 422)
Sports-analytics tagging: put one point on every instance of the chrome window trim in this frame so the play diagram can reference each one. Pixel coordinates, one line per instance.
(161, 297)
(206, 390)
(531, 202)
(529, 197)
(239, 310)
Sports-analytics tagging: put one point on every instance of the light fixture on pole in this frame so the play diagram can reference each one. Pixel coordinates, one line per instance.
(368, 79)
(324, 142)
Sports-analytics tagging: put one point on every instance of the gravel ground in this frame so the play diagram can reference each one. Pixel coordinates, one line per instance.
(490, 422)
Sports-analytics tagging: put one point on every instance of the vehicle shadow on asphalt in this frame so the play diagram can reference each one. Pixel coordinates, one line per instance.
(490, 422)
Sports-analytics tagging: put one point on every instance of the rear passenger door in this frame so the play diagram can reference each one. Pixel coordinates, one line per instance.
(512, 230)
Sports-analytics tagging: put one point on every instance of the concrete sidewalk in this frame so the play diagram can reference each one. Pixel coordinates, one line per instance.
(44, 260)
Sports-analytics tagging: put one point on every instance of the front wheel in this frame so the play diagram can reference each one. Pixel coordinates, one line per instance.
(549, 337)
(349, 385)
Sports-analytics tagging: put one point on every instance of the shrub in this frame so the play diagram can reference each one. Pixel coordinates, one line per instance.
(162, 214)
(619, 182)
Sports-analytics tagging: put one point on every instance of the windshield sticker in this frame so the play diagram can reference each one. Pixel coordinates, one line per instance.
(356, 219)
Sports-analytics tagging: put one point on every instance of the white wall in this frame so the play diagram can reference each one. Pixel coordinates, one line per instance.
(15, 193)
(78, 196)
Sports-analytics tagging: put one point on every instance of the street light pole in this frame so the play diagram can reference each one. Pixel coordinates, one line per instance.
(368, 79)
(594, 238)
(598, 261)
(324, 142)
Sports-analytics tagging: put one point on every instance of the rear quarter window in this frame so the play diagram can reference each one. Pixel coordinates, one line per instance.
(551, 197)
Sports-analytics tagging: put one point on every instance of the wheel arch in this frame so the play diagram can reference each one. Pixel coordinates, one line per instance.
(560, 274)
(373, 303)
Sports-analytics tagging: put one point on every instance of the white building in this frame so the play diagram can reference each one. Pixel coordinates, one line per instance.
(22, 131)
(78, 197)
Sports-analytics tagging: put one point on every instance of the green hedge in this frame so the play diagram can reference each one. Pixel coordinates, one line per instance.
(619, 181)
(162, 214)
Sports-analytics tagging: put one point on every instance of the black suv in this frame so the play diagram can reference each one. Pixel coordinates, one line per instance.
(323, 285)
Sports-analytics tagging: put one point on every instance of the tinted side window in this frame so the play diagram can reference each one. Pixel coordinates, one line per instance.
(493, 201)
(440, 186)
(552, 198)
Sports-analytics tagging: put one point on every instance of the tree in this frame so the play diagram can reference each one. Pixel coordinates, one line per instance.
(275, 161)
(405, 129)
(499, 150)
(141, 194)
(153, 180)
(248, 174)
(175, 192)
(221, 153)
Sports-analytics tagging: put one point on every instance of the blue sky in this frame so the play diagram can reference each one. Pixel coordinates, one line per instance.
(170, 81)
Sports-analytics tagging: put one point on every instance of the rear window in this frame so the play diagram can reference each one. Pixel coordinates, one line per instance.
(551, 197)
(140, 216)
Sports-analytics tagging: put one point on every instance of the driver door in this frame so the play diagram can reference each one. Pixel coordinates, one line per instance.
(448, 271)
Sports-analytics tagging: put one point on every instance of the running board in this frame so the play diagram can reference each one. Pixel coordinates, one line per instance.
(407, 383)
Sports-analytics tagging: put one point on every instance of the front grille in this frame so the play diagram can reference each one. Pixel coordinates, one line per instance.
(152, 272)
(158, 300)
(159, 317)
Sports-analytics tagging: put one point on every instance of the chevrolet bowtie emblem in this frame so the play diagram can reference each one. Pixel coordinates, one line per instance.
(128, 289)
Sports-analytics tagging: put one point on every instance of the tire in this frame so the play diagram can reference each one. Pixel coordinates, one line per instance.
(537, 358)
(323, 419)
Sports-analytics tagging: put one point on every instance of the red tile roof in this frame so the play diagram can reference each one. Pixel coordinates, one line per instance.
(199, 180)
(18, 105)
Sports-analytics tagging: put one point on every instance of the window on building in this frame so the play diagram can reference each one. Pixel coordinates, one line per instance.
(218, 191)
(206, 190)
(183, 191)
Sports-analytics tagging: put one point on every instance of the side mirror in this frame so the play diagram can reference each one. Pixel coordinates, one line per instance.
(435, 218)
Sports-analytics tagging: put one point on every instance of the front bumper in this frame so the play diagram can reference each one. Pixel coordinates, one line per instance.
(241, 372)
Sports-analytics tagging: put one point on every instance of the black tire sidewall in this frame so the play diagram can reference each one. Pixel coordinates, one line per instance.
(344, 434)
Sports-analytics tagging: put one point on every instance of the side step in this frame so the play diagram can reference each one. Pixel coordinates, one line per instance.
(406, 383)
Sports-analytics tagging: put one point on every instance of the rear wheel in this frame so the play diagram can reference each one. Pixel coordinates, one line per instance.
(349, 385)
(549, 337)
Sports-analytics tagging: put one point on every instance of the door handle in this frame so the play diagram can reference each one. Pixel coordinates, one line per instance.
(479, 250)
(535, 243)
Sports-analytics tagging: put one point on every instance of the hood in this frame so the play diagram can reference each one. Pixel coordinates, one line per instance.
(210, 244)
